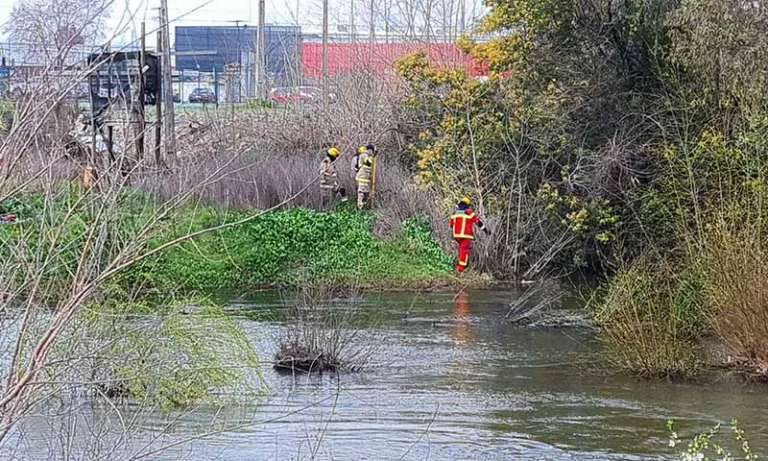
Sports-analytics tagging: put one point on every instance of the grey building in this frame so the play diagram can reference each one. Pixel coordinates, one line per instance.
(233, 44)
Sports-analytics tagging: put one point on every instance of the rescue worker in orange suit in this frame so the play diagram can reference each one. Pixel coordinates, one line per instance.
(329, 178)
(463, 224)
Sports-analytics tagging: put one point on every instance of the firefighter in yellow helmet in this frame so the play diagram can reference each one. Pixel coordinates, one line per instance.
(463, 223)
(329, 178)
(364, 170)
(363, 178)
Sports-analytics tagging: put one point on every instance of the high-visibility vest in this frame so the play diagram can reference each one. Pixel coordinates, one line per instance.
(463, 223)
(366, 171)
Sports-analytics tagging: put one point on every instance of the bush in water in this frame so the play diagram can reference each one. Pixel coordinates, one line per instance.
(323, 335)
(172, 355)
(739, 297)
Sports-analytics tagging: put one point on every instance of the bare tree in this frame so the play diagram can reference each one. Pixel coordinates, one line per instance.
(52, 31)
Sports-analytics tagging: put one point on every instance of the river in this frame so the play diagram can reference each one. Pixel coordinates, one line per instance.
(452, 381)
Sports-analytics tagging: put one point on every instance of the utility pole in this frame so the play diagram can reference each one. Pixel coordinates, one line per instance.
(373, 27)
(142, 90)
(352, 20)
(297, 80)
(388, 15)
(325, 53)
(240, 71)
(170, 132)
(261, 46)
(159, 99)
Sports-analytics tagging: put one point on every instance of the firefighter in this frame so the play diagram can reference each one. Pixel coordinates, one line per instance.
(364, 165)
(363, 179)
(329, 178)
(462, 224)
(362, 153)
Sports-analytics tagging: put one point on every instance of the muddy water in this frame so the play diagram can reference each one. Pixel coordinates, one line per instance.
(457, 383)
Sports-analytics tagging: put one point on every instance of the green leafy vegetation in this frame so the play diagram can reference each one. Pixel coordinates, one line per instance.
(285, 247)
(298, 245)
(172, 355)
(650, 318)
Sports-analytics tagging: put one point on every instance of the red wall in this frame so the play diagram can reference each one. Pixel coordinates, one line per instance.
(347, 57)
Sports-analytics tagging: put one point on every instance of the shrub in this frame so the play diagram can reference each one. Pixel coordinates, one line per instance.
(652, 319)
(183, 354)
(739, 297)
(291, 246)
(323, 335)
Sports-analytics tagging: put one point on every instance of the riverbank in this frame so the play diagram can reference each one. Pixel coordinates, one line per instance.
(297, 246)
(282, 248)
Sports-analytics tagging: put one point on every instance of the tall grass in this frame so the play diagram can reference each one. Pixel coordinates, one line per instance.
(658, 315)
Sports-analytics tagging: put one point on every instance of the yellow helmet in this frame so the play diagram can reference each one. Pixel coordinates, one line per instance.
(362, 149)
(466, 201)
(333, 152)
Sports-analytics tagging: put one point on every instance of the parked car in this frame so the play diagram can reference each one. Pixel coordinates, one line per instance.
(280, 95)
(176, 96)
(203, 95)
(304, 94)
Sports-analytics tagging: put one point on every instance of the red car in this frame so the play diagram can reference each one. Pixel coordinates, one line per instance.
(202, 95)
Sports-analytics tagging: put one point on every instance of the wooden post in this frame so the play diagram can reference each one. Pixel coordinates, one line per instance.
(373, 179)
(110, 142)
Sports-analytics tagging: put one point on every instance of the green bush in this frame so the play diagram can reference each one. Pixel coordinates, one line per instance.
(283, 247)
(54, 230)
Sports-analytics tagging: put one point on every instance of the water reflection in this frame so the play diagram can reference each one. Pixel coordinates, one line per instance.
(462, 328)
